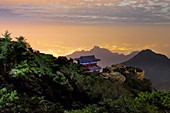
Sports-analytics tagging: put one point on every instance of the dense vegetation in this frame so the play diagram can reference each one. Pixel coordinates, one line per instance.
(35, 82)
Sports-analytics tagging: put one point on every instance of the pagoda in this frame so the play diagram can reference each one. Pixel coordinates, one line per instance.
(89, 64)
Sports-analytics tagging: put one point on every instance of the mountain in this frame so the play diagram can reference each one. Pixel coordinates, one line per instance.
(107, 57)
(156, 66)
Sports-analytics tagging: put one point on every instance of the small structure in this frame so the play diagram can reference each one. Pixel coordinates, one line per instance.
(89, 64)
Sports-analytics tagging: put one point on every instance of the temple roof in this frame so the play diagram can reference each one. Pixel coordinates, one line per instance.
(87, 59)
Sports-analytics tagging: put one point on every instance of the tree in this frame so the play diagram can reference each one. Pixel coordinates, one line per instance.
(5, 49)
(22, 41)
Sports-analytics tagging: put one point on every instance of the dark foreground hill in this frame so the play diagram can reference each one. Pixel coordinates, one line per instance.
(33, 82)
(107, 57)
(156, 66)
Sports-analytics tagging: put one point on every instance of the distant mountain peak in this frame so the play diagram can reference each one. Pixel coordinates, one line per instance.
(96, 47)
(99, 50)
(149, 58)
(156, 66)
(147, 51)
(151, 54)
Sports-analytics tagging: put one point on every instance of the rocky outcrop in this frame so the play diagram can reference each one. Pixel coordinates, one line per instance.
(121, 73)
(116, 75)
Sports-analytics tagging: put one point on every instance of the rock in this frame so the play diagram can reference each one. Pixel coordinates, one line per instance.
(120, 72)
(115, 74)
(105, 75)
(140, 75)
(120, 78)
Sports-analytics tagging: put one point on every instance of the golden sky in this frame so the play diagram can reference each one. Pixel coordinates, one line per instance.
(60, 27)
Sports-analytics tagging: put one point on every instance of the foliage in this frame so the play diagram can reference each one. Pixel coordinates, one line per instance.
(89, 109)
(160, 99)
(8, 100)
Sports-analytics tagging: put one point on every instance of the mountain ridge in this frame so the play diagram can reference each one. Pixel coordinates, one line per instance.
(107, 57)
(156, 66)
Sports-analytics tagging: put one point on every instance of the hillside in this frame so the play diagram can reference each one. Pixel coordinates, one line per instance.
(33, 82)
(156, 66)
(107, 57)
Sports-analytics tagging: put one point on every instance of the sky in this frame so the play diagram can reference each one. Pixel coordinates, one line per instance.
(60, 27)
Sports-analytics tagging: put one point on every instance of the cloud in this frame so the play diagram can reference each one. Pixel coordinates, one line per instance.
(91, 11)
(6, 14)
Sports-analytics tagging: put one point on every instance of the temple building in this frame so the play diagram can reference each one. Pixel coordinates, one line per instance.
(89, 64)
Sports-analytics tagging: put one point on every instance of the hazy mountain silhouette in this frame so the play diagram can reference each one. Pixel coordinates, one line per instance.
(156, 66)
(107, 57)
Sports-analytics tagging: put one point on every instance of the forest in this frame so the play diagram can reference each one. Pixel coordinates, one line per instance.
(35, 82)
